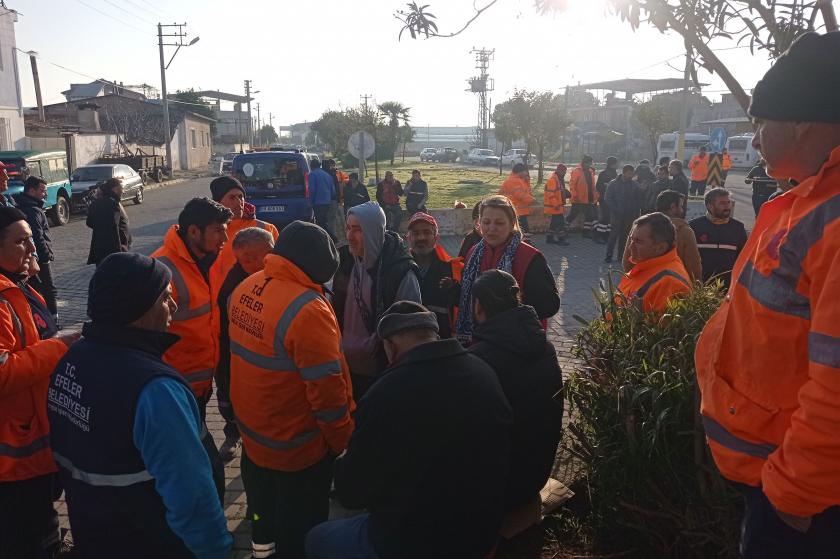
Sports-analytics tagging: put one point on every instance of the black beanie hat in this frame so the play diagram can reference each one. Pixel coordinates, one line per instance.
(802, 85)
(310, 248)
(406, 315)
(222, 185)
(124, 287)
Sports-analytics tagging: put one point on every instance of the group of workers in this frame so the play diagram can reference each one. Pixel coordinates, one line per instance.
(421, 389)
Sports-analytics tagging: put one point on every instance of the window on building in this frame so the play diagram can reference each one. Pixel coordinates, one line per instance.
(5, 144)
(192, 138)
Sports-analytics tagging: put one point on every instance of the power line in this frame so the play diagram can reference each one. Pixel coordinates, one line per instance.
(132, 14)
(112, 17)
(158, 15)
(158, 10)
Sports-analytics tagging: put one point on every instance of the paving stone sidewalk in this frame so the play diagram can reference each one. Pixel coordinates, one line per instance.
(578, 269)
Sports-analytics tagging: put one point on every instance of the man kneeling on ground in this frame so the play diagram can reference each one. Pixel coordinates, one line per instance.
(428, 458)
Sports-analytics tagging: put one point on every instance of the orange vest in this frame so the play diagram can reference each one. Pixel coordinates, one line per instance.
(699, 167)
(653, 282)
(580, 189)
(26, 363)
(457, 271)
(727, 162)
(290, 384)
(518, 192)
(196, 353)
(554, 196)
(768, 361)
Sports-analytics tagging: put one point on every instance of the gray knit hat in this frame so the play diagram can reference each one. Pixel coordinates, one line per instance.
(406, 315)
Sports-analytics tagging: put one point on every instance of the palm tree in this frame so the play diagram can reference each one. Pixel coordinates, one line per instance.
(396, 114)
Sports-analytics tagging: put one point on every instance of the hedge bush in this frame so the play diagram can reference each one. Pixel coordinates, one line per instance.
(651, 484)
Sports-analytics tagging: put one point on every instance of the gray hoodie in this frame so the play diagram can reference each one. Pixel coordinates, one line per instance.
(358, 343)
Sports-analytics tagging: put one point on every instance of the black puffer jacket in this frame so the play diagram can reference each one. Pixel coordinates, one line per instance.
(37, 219)
(514, 344)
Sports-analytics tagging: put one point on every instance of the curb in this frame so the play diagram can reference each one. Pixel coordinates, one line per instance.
(172, 182)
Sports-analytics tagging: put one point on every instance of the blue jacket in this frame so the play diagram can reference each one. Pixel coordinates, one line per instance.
(321, 187)
(125, 435)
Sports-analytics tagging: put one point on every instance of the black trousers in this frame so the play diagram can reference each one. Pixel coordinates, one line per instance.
(619, 231)
(28, 521)
(43, 284)
(284, 506)
(557, 226)
(765, 536)
(216, 464)
(222, 378)
(323, 218)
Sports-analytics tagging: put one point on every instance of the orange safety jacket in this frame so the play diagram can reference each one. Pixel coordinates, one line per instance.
(768, 361)
(699, 167)
(518, 190)
(653, 282)
(554, 196)
(290, 384)
(196, 353)
(581, 193)
(26, 363)
(457, 266)
(726, 162)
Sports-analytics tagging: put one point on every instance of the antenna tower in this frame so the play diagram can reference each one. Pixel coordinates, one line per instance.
(481, 85)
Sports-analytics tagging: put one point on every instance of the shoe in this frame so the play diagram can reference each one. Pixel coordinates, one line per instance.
(608, 260)
(229, 449)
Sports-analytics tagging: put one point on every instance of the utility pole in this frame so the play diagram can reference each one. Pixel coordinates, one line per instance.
(362, 166)
(684, 107)
(259, 126)
(563, 135)
(271, 123)
(32, 54)
(179, 37)
(250, 122)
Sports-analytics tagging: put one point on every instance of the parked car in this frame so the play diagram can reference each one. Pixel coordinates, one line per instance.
(277, 183)
(478, 156)
(85, 179)
(514, 156)
(214, 166)
(50, 166)
(428, 154)
(227, 162)
(445, 155)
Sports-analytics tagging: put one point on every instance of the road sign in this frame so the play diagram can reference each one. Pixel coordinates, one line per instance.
(717, 140)
(715, 177)
(361, 145)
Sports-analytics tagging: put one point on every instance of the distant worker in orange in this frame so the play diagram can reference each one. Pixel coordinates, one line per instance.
(725, 165)
(658, 274)
(517, 187)
(584, 214)
(554, 205)
(290, 388)
(768, 362)
(699, 167)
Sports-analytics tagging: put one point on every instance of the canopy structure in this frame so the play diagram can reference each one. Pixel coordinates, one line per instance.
(634, 86)
(232, 97)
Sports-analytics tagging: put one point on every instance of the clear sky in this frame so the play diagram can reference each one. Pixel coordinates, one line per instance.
(307, 56)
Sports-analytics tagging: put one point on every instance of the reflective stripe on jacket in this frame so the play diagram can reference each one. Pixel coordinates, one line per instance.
(654, 282)
(290, 385)
(26, 364)
(768, 361)
(196, 353)
(554, 196)
(699, 167)
(581, 193)
(518, 191)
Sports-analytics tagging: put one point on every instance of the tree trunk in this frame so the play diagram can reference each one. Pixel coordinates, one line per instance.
(829, 16)
(540, 160)
(403, 153)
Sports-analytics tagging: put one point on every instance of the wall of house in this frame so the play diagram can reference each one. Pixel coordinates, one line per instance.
(195, 144)
(11, 114)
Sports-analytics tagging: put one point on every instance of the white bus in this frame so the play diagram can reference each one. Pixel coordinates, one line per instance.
(667, 145)
(742, 152)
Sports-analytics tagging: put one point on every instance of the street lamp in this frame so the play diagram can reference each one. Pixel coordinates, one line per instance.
(163, 67)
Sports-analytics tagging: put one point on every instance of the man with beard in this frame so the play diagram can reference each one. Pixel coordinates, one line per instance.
(720, 238)
(438, 270)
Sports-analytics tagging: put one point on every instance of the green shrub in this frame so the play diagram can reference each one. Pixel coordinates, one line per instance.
(650, 481)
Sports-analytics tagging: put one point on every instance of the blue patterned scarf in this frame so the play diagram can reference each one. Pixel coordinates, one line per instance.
(464, 326)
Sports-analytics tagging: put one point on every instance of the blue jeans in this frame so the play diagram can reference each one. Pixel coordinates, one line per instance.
(346, 538)
(765, 536)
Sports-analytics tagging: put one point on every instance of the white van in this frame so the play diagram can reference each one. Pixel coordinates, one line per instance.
(742, 152)
(667, 145)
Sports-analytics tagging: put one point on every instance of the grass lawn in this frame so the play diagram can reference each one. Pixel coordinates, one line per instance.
(449, 182)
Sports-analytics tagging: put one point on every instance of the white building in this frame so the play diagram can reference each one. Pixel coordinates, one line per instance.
(11, 108)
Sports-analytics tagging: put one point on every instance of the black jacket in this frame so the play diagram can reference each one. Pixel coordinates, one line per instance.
(416, 194)
(355, 195)
(605, 177)
(624, 198)
(514, 344)
(719, 245)
(37, 219)
(109, 222)
(656, 188)
(437, 299)
(236, 276)
(429, 456)
(391, 267)
(680, 184)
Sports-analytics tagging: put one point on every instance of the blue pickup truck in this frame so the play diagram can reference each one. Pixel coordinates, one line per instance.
(277, 183)
(50, 166)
